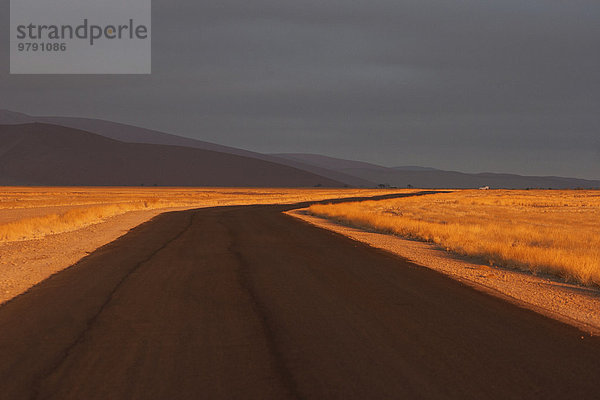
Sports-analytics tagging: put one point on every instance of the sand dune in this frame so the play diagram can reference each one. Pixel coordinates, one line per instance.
(43, 154)
(135, 134)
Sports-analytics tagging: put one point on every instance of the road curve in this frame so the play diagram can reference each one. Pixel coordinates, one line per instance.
(249, 303)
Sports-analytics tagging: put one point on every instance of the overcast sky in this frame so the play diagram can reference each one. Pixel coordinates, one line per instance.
(503, 86)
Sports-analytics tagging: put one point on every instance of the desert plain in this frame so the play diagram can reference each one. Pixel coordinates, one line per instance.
(160, 293)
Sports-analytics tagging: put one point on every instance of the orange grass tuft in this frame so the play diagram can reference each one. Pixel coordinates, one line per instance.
(31, 228)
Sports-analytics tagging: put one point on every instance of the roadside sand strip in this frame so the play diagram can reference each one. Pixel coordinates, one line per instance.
(23, 264)
(570, 303)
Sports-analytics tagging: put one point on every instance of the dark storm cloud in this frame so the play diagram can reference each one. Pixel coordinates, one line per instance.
(470, 85)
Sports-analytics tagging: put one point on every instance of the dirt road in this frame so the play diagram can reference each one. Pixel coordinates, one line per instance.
(249, 303)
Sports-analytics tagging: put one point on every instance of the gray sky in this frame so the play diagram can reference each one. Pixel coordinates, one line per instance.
(503, 86)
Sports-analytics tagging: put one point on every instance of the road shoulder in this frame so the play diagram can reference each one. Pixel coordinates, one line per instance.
(570, 303)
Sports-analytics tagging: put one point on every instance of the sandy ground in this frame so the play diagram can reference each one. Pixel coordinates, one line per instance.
(26, 263)
(570, 303)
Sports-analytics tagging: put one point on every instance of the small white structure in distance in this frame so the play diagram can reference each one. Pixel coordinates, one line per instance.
(484, 188)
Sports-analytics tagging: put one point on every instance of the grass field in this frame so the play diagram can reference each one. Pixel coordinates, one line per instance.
(557, 232)
(34, 212)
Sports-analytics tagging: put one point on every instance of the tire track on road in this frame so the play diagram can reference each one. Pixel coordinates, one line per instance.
(261, 311)
(38, 381)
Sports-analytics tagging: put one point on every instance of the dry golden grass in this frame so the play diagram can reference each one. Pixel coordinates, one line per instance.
(31, 213)
(556, 232)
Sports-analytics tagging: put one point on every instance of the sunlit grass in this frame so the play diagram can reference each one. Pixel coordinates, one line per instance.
(541, 231)
(30, 213)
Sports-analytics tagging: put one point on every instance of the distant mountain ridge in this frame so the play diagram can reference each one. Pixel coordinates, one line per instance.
(336, 171)
(337, 164)
(13, 118)
(415, 168)
(52, 155)
(133, 134)
(425, 177)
